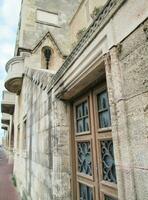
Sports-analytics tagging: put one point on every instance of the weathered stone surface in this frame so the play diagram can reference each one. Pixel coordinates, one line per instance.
(43, 169)
(130, 97)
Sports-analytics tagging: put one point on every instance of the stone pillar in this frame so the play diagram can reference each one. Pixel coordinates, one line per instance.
(60, 150)
(120, 132)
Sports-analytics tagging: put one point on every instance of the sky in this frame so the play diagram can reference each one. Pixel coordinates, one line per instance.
(9, 17)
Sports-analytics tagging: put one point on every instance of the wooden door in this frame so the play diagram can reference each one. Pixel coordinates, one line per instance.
(94, 173)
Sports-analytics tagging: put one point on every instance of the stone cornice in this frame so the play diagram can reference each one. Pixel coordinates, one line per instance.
(101, 20)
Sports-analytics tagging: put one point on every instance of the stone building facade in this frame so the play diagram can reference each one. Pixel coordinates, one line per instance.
(79, 78)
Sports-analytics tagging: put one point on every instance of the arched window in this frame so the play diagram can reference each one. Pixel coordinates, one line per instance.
(46, 56)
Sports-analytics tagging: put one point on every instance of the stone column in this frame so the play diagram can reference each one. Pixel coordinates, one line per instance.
(60, 150)
(120, 132)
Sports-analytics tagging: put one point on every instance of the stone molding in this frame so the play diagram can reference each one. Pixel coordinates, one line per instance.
(13, 60)
(103, 17)
(15, 70)
(39, 42)
(49, 35)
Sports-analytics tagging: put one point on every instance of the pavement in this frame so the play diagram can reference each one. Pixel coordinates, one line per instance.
(7, 190)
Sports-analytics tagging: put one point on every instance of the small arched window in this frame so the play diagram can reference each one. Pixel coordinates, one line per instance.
(46, 56)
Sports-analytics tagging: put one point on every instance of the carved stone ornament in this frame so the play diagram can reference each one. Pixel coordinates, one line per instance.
(145, 29)
(119, 49)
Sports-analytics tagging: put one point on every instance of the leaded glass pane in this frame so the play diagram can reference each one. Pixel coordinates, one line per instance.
(108, 198)
(86, 193)
(84, 158)
(82, 120)
(104, 118)
(86, 124)
(103, 100)
(103, 110)
(109, 171)
(79, 111)
(85, 108)
(80, 126)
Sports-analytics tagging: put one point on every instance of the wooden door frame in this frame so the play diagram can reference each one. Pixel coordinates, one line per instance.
(95, 135)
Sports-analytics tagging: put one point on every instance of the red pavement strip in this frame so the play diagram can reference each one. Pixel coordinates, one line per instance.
(7, 190)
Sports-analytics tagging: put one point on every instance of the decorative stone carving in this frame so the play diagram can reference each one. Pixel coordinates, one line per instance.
(145, 29)
(39, 77)
(119, 49)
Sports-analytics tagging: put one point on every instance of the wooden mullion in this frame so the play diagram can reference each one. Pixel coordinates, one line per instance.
(109, 190)
(73, 160)
(102, 110)
(96, 181)
(98, 158)
(84, 116)
(85, 177)
(83, 138)
(82, 133)
(104, 136)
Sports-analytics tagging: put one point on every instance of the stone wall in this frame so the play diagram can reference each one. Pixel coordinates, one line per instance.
(30, 30)
(128, 86)
(43, 169)
(85, 13)
(36, 58)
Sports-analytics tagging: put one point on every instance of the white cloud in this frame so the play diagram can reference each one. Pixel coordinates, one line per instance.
(6, 33)
(2, 72)
(7, 49)
(6, 52)
(10, 11)
(9, 15)
(1, 85)
(3, 62)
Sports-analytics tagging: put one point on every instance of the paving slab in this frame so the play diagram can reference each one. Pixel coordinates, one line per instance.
(7, 190)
